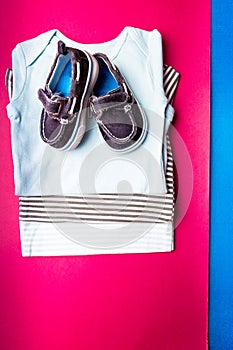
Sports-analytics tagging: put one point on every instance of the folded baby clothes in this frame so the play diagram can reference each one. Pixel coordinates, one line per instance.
(90, 200)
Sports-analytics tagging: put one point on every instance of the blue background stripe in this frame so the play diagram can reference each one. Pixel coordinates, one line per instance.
(221, 234)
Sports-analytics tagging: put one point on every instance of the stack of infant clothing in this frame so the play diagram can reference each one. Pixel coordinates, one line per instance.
(93, 165)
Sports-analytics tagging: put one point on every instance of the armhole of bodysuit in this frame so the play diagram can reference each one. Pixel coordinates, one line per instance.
(19, 73)
(165, 81)
(155, 60)
(16, 81)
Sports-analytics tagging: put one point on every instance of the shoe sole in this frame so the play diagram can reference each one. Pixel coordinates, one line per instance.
(80, 126)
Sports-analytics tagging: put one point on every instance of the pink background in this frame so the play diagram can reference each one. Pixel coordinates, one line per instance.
(139, 301)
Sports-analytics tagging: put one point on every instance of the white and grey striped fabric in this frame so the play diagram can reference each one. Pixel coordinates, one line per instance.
(151, 214)
(48, 239)
(170, 82)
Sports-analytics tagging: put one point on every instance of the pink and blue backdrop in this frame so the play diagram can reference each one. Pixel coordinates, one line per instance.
(139, 301)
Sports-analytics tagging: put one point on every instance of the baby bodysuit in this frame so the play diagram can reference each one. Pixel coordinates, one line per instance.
(91, 201)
